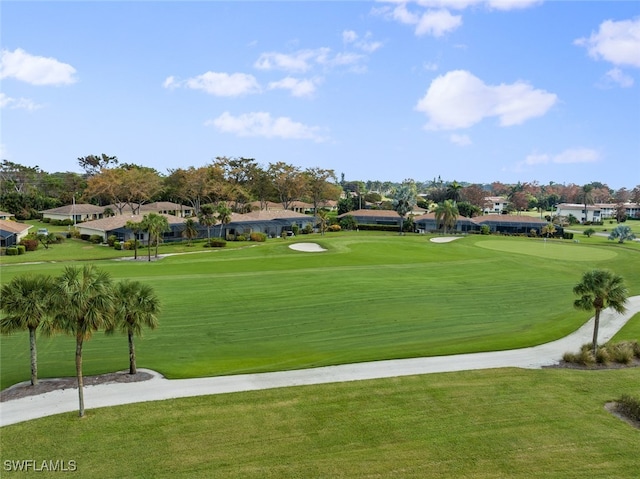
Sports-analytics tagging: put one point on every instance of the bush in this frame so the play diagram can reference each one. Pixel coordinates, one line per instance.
(111, 240)
(295, 229)
(629, 407)
(117, 245)
(485, 230)
(84, 237)
(308, 229)
(216, 243)
(60, 238)
(334, 228)
(241, 238)
(348, 223)
(258, 237)
(96, 239)
(21, 249)
(12, 251)
(29, 244)
(567, 236)
(622, 352)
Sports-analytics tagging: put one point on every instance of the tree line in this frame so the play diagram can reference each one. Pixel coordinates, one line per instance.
(236, 182)
(79, 302)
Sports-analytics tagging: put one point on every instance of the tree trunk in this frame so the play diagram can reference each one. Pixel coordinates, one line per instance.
(79, 339)
(34, 356)
(132, 354)
(596, 324)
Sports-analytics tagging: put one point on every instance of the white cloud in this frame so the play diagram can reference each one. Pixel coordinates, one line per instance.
(569, 156)
(18, 103)
(349, 36)
(459, 99)
(430, 66)
(460, 140)
(35, 70)
(262, 124)
(297, 87)
(300, 61)
(615, 42)
(434, 17)
(437, 22)
(218, 84)
(617, 76)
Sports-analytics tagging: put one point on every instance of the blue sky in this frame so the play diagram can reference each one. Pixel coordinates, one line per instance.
(471, 90)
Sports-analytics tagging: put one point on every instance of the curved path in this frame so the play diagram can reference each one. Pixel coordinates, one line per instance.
(158, 388)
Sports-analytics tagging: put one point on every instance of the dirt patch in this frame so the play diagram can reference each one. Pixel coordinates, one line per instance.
(47, 385)
(612, 407)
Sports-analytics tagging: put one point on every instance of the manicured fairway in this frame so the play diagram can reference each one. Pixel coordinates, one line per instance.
(551, 249)
(482, 424)
(370, 296)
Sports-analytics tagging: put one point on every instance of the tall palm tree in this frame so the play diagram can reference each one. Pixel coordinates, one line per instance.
(224, 216)
(83, 304)
(404, 200)
(207, 218)
(135, 227)
(190, 231)
(600, 289)
(26, 304)
(155, 225)
(136, 306)
(586, 195)
(447, 213)
(453, 191)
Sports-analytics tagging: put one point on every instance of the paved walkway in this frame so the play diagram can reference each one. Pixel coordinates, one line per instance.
(158, 388)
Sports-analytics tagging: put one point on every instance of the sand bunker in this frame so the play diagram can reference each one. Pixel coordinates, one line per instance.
(307, 247)
(445, 239)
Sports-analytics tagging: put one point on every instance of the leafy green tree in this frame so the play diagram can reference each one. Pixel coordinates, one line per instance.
(190, 231)
(155, 224)
(136, 306)
(26, 304)
(589, 232)
(83, 304)
(404, 199)
(446, 214)
(600, 289)
(622, 233)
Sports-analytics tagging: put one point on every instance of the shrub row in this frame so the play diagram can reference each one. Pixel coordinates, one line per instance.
(623, 352)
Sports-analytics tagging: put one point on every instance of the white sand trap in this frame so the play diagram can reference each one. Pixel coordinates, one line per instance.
(307, 247)
(445, 239)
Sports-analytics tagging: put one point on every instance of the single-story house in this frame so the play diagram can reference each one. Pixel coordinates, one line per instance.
(271, 223)
(513, 224)
(11, 232)
(168, 208)
(597, 211)
(116, 226)
(77, 213)
(5, 216)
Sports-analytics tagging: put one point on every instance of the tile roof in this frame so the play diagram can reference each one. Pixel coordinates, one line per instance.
(13, 226)
(119, 221)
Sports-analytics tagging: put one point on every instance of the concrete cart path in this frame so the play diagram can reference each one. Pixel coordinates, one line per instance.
(160, 388)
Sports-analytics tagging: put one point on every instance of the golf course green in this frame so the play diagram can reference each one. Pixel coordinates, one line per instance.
(370, 296)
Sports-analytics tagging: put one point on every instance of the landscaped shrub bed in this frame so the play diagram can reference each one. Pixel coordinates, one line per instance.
(216, 243)
(624, 352)
(629, 407)
(259, 237)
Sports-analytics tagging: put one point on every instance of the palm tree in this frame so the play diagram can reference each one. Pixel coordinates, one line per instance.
(586, 196)
(83, 304)
(600, 289)
(453, 191)
(26, 303)
(447, 213)
(404, 200)
(207, 219)
(135, 227)
(548, 229)
(322, 219)
(155, 225)
(190, 231)
(224, 216)
(136, 306)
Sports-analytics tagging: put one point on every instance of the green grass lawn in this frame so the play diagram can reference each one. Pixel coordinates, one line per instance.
(263, 307)
(480, 424)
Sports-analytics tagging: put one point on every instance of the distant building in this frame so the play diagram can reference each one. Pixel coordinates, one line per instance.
(596, 212)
